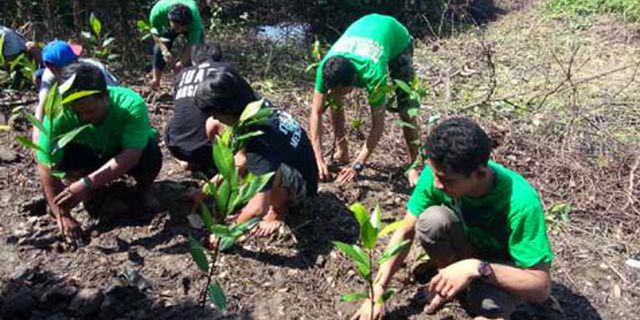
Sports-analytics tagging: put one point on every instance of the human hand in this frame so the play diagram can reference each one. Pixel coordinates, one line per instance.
(323, 171)
(70, 228)
(455, 277)
(71, 196)
(364, 313)
(347, 174)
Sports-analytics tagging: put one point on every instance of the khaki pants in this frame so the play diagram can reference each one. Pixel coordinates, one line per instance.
(441, 234)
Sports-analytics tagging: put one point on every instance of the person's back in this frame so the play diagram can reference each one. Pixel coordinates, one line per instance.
(283, 141)
(14, 43)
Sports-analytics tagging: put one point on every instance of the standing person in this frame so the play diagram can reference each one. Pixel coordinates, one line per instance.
(169, 19)
(57, 55)
(186, 133)
(283, 148)
(371, 50)
(481, 224)
(119, 141)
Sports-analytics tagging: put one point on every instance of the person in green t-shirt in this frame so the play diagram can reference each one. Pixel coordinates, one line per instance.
(481, 224)
(118, 140)
(169, 19)
(371, 50)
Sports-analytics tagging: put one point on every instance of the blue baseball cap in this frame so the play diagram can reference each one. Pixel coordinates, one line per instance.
(60, 53)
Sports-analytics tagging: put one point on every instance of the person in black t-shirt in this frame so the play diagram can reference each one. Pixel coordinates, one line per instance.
(283, 148)
(186, 133)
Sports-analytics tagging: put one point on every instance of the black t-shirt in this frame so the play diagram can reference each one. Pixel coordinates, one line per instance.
(186, 131)
(283, 141)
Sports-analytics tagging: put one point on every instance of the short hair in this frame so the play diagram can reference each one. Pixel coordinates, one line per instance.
(224, 91)
(459, 144)
(180, 14)
(87, 78)
(338, 72)
(205, 52)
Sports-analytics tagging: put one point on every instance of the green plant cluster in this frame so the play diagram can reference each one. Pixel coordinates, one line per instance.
(99, 44)
(230, 192)
(17, 73)
(629, 10)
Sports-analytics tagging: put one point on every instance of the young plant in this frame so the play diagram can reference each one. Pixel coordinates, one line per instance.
(18, 72)
(362, 255)
(316, 55)
(100, 44)
(145, 28)
(53, 107)
(230, 191)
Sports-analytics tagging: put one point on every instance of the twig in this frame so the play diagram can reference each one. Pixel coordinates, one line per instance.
(630, 199)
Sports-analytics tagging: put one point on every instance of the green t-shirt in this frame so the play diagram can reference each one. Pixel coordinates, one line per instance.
(160, 21)
(126, 126)
(369, 43)
(506, 224)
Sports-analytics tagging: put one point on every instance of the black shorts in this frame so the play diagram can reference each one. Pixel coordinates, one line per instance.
(81, 158)
(401, 68)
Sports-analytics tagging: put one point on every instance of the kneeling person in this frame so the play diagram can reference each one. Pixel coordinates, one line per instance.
(481, 224)
(283, 148)
(118, 141)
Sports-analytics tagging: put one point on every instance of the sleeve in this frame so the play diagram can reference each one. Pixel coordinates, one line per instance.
(422, 196)
(528, 241)
(136, 130)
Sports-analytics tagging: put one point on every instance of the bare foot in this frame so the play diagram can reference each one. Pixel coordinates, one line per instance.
(269, 224)
(341, 156)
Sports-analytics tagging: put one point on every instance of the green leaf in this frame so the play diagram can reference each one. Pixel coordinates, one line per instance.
(390, 228)
(65, 138)
(78, 95)
(223, 158)
(108, 41)
(368, 235)
(197, 252)
(96, 25)
(403, 86)
(251, 110)
(376, 217)
(4, 128)
(360, 213)
(64, 87)
(248, 190)
(207, 218)
(413, 112)
(58, 174)
(386, 296)
(53, 103)
(87, 35)
(221, 196)
(143, 25)
(401, 123)
(357, 256)
(113, 56)
(249, 135)
(29, 144)
(37, 123)
(239, 229)
(2, 50)
(354, 296)
(392, 251)
(221, 230)
(226, 243)
(216, 295)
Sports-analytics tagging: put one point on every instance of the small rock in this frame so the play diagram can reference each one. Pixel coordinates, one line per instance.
(633, 263)
(11, 240)
(7, 154)
(320, 261)
(86, 302)
(195, 221)
(19, 305)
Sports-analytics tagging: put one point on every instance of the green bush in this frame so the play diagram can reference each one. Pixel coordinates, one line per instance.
(629, 10)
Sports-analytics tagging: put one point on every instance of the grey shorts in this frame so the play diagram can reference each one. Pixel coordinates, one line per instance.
(291, 179)
(440, 233)
(401, 68)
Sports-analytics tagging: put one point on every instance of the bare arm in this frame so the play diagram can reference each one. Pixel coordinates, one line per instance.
(256, 207)
(533, 284)
(51, 186)
(377, 128)
(315, 124)
(389, 268)
(115, 167)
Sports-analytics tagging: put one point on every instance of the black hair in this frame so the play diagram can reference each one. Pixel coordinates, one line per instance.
(180, 14)
(338, 72)
(224, 91)
(459, 144)
(87, 78)
(205, 52)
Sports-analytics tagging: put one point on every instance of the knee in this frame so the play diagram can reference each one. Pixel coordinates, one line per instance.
(435, 221)
(213, 128)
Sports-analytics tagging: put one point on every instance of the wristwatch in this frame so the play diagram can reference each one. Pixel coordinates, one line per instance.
(357, 166)
(485, 270)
